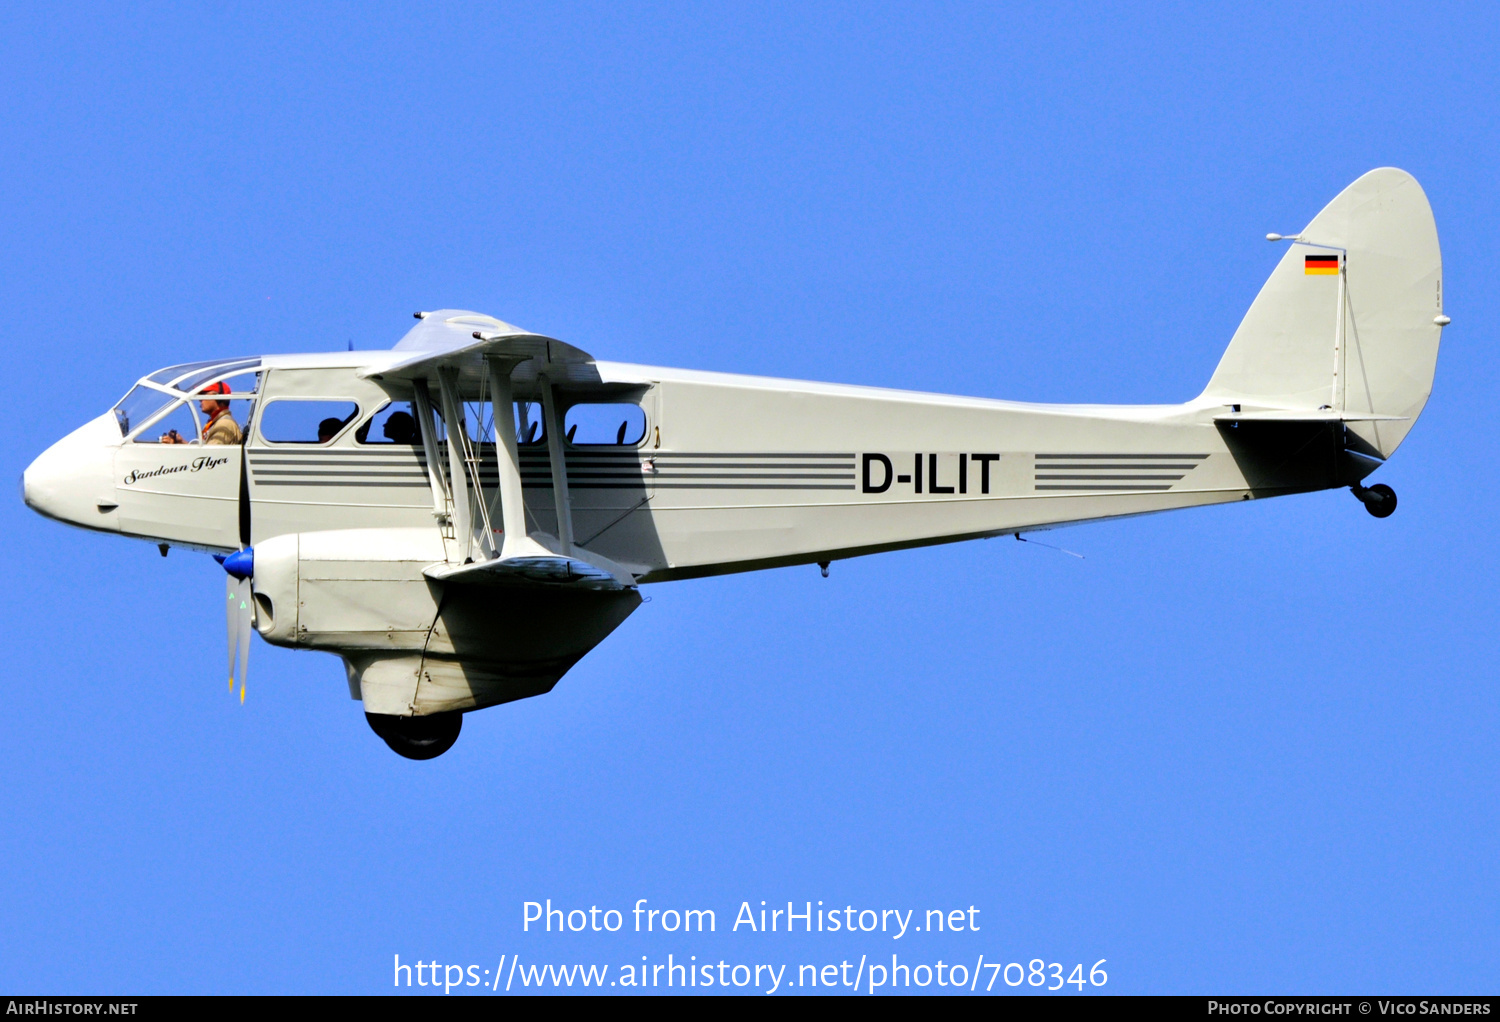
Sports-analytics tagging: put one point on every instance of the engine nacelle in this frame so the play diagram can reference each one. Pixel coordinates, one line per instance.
(348, 589)
(415, 646)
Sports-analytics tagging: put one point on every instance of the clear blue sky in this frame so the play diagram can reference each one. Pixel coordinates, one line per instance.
(1239, 749)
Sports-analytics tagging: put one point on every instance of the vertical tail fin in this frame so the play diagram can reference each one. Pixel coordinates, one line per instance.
(1283, 354)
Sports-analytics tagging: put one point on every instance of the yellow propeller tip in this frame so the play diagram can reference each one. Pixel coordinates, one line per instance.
(242, 695)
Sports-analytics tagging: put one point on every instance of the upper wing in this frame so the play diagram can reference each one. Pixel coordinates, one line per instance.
(458, 340)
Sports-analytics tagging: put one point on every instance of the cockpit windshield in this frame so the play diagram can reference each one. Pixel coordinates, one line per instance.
(171, 374)
(140, 404)
(148, 398)
(192, 380)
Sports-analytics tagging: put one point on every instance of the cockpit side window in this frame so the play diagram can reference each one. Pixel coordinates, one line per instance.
(178, 426)
(154, 395)
(213, 414)
(226, 420)
(294, 421)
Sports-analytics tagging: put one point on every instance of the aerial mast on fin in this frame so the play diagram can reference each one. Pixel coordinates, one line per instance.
(1339, 389)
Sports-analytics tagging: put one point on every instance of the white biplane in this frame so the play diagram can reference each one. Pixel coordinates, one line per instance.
(463, 517)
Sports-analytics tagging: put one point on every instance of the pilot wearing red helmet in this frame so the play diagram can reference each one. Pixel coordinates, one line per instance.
(220, 428)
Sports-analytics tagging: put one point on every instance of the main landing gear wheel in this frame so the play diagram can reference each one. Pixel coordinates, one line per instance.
(1379, 500)
(417, 737)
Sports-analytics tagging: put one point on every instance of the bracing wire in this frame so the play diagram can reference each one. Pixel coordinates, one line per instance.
(1049, 546)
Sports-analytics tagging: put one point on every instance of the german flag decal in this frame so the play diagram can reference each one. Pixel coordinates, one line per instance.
(1319, 265)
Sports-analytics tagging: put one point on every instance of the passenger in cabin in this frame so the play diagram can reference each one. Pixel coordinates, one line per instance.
(221, 428)
(397, 428)
(401, 428)
(328, 429)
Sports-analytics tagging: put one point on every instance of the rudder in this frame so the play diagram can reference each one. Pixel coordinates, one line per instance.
(1282, 355)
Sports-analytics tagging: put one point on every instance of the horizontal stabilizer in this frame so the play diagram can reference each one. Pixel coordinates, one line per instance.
(1301, 415)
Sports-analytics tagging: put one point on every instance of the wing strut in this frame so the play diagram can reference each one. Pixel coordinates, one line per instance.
(463, 530)
(512, 507)
(559, 468)
(430, 449)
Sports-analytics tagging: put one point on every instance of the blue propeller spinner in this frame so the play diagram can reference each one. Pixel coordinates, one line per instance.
(241, 563)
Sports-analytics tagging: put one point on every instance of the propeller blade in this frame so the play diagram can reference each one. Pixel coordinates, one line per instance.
(242, 634)
(240, 566)
(231, 605)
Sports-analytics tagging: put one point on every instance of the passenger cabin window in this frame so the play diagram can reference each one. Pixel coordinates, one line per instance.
(479, 426)
(396, 423)
(305, 422)
(526, 420)
(614, 423)
(530, 423)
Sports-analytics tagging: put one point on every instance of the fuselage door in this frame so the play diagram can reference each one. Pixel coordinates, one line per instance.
(177, 477)
(182, 493)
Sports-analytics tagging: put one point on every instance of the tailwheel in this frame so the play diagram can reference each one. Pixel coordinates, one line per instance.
(417, 737)
(1379, 500)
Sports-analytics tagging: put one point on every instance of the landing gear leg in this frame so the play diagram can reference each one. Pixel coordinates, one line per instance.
(417, 737)
(1379, 500)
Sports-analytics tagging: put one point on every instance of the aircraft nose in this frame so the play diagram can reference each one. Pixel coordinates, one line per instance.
(73, 480)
